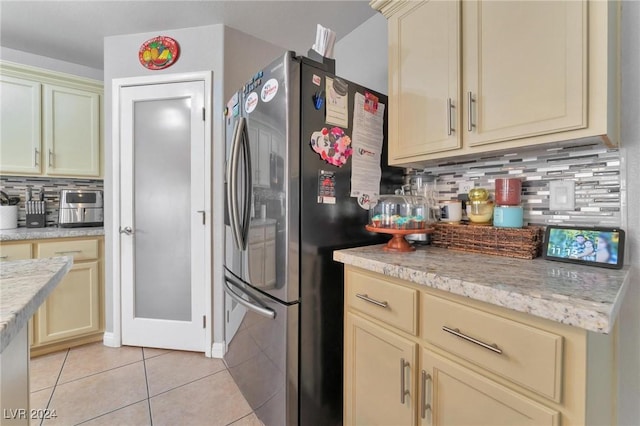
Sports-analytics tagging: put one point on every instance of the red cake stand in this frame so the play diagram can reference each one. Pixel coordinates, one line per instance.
(398, 243)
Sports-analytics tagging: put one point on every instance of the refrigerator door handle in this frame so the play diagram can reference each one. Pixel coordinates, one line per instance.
(261, 310)
(248, 181)
(232, 189)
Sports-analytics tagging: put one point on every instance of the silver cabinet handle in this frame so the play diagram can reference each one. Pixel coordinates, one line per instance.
(68, 252)
(426, 397)
(50, 158)
(127, 230)
(366, 298)
(36, 156)
(456, 332)
(403, 392)
(450, 108)
(470, 101)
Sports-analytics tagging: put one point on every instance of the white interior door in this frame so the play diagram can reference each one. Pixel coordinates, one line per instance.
(162, 229)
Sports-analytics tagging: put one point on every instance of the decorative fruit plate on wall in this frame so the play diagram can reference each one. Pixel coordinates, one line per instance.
(158, 53)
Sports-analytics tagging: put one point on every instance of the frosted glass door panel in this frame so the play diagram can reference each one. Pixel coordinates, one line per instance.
(162, 209)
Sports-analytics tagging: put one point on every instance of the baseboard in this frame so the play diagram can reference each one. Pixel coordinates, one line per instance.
(218, 349)
(109, 339)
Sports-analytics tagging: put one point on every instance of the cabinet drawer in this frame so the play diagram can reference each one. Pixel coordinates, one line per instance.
(394, 304)
(15, 252)
(79, 249)
(529, 356)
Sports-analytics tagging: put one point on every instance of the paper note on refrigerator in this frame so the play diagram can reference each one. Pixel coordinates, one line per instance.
(337, 92)
(366, 139)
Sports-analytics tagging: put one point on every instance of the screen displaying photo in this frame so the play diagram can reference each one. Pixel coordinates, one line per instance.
(584, 245)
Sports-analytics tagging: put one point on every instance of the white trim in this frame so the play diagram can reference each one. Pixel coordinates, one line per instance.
(218, 349)
(115, 337)
(108, 339)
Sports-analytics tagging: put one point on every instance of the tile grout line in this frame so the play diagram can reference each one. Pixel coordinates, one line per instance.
(64, 361)
(146, 382)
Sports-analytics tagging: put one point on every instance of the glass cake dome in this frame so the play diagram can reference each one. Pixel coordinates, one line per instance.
(399, 212)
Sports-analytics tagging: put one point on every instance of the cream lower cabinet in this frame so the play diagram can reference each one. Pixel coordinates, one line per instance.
(453, 395)
(73, 313)
(418, 356)
(379, 385)
(467, 77)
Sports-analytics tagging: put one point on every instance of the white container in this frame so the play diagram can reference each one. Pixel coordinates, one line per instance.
(8, 217)
(451, 211)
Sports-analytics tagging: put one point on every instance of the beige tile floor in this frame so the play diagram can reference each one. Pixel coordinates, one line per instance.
(99, 385)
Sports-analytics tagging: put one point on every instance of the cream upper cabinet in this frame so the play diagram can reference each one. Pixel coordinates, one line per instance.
(525, 69)
(20, 135)
(424, 87)
(473, 76)
(71, 131)
(50, 123)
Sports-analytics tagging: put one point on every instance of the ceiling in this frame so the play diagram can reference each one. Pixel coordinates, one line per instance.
(73, 31)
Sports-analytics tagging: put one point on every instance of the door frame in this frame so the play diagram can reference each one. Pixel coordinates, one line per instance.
(115, 338)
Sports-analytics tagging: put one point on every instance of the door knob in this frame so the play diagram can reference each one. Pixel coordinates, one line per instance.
(126, 230)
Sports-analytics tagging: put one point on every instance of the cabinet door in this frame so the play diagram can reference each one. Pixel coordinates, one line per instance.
(454, 395)
(525, 69)
(19, 126)
(379, 387)
(424, 75)
(72, 309)
(71, 131)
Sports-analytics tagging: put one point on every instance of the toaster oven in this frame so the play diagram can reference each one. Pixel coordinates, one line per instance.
(80, 207)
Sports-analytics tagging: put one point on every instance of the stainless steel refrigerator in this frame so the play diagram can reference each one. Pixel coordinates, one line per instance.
(287, 210)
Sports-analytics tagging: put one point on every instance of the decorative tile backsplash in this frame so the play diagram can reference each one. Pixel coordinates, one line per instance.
(594, 168)
(17, 185)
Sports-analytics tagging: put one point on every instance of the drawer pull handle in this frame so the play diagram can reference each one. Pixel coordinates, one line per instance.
(456, 332)
(366, 298)
(403, 392)
(426, 396)
(4, 257)
(69, 252)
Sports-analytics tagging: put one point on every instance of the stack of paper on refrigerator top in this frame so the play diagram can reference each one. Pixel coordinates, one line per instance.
(325, 39)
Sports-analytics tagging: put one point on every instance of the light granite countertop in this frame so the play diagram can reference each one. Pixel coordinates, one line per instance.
(23, 234)
(24, 286)
(581, 296)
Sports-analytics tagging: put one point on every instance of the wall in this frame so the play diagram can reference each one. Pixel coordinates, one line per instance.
(361, 56)
(52, 64)
(208, 48)
(629, 214)
(629, 353)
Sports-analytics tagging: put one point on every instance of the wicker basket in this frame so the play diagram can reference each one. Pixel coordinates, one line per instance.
(523, 243)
